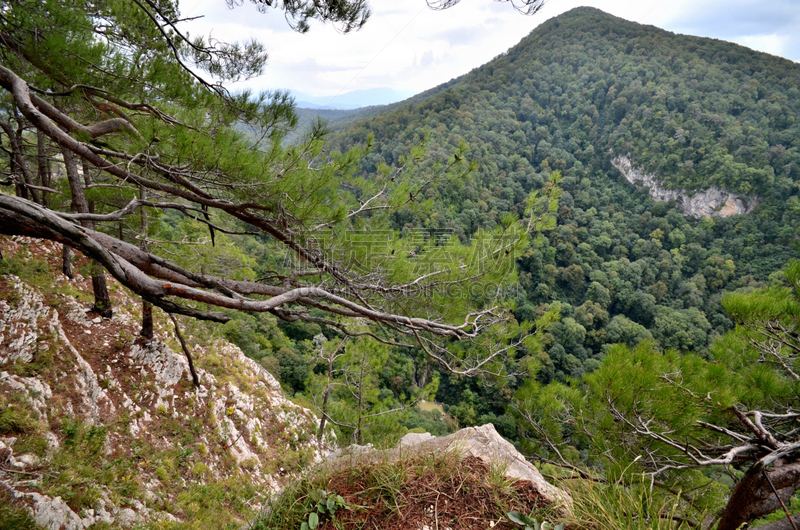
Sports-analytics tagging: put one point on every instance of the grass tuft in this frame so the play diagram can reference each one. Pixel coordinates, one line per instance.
(405, 490)
(600, 506)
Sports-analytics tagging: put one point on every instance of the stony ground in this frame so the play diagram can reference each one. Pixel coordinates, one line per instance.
(100, 428)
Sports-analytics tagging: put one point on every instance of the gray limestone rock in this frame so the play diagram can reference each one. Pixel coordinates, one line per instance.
(414, 438)
(27, 461)
(54, 514)
(127, 517)
(481, 442)
(713, 202)
(485, 443)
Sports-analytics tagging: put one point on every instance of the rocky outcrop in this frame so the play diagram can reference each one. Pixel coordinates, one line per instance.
(713, 202)
(20, 327)
(485, 443)
(482, 442)
(59, 362)
(53, 513)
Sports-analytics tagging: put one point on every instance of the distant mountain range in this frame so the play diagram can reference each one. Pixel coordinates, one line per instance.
(350, 100)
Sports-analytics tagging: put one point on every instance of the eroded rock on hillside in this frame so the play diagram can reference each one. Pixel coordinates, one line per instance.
(713, 202)
(483, 443)
(97, 426)
(469, 480)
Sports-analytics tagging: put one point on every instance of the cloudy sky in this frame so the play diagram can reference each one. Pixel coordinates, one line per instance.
(410, 48)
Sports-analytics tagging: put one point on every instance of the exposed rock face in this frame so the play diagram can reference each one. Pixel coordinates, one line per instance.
(58, 362)
(481, 442)
(54, 514)
(713, 202)
(485, 443)
(18, 324)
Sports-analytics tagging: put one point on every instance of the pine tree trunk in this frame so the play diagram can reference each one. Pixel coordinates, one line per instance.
(19, 189)
(753, 496)
(147, 308)
(147, 321)
(17, 164)
(66, 264)
(357, 434)
(324, 416)
(102, 300)
(43, 166)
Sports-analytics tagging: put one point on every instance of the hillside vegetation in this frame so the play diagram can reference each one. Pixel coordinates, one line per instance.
(474, 247)
(696, 111)
(622, 270)
(99, 429)
(578, 91)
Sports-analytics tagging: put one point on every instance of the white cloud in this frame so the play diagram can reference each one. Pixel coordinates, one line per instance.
(774, 44)
(407, 46)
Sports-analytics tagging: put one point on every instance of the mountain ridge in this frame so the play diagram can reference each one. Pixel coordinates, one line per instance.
(578, 13)
(351, 100)
(573, 37)
(707, 120)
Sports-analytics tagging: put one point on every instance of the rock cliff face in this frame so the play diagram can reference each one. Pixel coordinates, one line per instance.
(712, 202)
(99, 427)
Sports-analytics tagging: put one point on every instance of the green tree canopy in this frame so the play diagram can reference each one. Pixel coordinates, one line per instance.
(117, 86)
(680, 421)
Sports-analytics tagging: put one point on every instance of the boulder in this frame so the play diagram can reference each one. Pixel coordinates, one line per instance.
(481, 442)
(485, 443)
(53, 513)
(414, 438)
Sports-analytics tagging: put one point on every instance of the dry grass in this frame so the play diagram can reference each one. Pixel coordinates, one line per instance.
(410, 492)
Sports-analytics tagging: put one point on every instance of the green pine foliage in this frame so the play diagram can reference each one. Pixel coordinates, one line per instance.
(634, 419)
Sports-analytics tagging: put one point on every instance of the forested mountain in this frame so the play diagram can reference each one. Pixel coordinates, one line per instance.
(578, 91)
(480, 249)
(675, 330)
(697, 111)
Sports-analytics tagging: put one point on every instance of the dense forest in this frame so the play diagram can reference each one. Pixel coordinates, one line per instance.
(618, 267)
(468, 256)
(579, 90)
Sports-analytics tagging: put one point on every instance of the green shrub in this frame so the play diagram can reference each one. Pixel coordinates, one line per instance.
(17, 417)
(272, 365)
